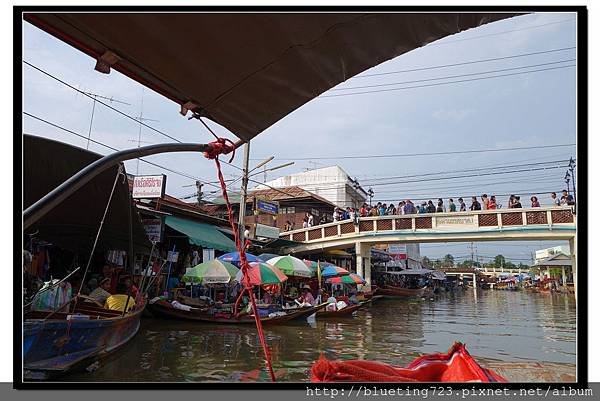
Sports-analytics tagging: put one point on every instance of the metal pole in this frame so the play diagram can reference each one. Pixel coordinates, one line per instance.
(36, 211)
(243, 191)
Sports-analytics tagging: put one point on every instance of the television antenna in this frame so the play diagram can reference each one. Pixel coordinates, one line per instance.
(97, 96)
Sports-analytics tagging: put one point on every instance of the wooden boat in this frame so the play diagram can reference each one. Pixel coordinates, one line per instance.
(56, 343)
(397, 292)
(166, 310)
(347, 311)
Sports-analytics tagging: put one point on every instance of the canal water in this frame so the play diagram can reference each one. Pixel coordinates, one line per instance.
(495, 326)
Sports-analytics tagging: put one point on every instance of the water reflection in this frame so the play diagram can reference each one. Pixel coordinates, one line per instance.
(495, 325)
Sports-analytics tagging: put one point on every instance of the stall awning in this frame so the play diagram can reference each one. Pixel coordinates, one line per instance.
(204, 235)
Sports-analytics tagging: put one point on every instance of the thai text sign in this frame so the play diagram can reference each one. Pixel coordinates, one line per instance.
(269, 207)
(456, 223)
(266, 231)
(149, 186)
(153, 229)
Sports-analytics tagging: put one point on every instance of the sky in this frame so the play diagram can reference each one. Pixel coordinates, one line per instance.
(527, 109)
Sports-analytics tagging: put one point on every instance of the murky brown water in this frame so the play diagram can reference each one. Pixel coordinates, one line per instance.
(495, 326)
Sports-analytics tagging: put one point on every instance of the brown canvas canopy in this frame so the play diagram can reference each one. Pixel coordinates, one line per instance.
(246, 71)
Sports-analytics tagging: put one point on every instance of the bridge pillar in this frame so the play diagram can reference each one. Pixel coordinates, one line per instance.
(363, 263)
(573, 249)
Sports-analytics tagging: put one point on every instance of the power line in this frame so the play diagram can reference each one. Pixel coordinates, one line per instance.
(465, 171)
(456, 152)
(475, 175)
(446, 83)
(454, 76)
(113, 148)
(465, 63)
(101, 102)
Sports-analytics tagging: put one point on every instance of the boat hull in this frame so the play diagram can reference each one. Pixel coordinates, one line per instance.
(164, 310)
(396, 292)
(57, 346)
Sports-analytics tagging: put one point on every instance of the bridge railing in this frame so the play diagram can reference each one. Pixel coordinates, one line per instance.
(455, 221)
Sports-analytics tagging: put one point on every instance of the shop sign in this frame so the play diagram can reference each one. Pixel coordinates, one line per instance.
(266, 231)
(149, 186)
(153, 229)
(265, 206)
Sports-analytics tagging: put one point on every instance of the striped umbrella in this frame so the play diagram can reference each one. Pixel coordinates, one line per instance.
(261, 273)
(234, 257)
(291, 266)
(212, 272)
(331, 271)
(348, 279)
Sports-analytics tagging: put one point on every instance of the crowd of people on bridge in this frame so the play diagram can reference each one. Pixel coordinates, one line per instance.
(408, 207)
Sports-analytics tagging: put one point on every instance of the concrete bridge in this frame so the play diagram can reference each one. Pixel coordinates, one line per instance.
(534, 224)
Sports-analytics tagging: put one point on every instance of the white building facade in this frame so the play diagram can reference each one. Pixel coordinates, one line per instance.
(331, 183)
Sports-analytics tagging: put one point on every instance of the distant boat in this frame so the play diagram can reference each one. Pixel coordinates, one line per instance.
(165, 309)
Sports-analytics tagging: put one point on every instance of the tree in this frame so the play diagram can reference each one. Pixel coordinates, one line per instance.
(448, 261)
(437, 264)
(425, 261)
(499, 261)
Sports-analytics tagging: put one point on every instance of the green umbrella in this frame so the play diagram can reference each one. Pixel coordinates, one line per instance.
(291, 266)
(211, 272)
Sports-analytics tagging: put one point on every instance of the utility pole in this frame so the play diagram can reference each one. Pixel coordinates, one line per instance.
(572, 168)
(243, 193)
(472, 256)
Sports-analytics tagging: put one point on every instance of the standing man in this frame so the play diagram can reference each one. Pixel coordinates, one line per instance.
(566, 199)
(555, 200)
(451, 205)
(463, 205)
(474, 204)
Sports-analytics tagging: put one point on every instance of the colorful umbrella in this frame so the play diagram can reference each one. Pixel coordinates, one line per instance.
(291, 266)
(266, 256)
(211, 272)
(234, 257)
(261, 273)
(349, 279)
(331, 270)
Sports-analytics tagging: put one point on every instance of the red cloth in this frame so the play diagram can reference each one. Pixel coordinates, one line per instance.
(455, 366)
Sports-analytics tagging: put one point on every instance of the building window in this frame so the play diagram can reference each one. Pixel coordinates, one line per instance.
(287, 210)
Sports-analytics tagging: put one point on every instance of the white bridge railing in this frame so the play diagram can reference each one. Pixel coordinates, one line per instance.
(437, 222)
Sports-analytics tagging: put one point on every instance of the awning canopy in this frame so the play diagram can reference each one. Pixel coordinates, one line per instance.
(74, 223)
(204, 235)
(246, 71)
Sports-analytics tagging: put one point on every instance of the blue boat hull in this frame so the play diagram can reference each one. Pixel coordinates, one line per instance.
(56, 346)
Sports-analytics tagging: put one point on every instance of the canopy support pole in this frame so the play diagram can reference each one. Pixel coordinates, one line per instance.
(40, 208)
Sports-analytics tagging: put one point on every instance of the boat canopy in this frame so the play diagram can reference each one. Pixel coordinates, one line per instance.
(246, 71)
(413, 272)
(74, 223)
(201, 234)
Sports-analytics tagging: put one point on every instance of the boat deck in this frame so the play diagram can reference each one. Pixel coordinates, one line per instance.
(527, 372)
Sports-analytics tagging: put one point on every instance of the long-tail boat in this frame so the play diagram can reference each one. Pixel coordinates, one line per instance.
(55, 343)
(347, 311)
(163, 308)
(392, 291)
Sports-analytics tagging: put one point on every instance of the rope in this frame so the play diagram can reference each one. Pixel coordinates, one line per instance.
(119, 172)
(218, 147)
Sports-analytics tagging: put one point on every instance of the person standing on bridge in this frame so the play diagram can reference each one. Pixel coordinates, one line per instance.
(492, 205)
(430, 207)
(409, 208)
(440, 200)
(463, 205)
(535, 202)
(485, 201)
(555, 200)
(475, 205)
(451, 205)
